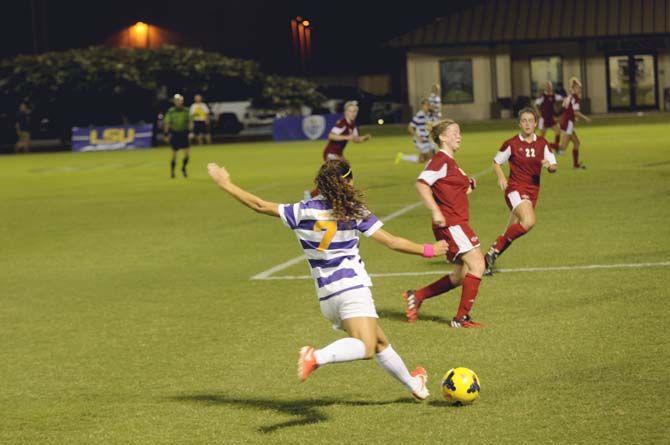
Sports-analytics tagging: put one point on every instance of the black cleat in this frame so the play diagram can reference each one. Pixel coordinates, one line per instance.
(490, 260)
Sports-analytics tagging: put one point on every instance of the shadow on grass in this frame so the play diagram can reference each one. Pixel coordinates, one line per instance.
(400, 316)
(306, 411)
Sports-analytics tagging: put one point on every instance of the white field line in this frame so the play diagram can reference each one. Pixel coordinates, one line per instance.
(520, 269)
(267, 274)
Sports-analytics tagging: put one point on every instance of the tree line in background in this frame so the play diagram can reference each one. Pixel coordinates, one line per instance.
(102, 85)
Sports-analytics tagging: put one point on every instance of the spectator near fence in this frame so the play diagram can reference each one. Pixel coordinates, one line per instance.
(23, 129)
(200, 116)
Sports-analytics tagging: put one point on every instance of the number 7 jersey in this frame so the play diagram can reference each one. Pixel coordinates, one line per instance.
(525, 159)
(331, 246)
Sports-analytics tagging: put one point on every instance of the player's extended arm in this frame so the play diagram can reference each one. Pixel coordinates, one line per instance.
(582, 116)
(410, 129)
(339, 137)
(406, 246)
(502, 180)
(222, 178)
(365, 137)
(426, 195)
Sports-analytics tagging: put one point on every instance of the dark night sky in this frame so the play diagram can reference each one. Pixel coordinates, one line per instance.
(347, 35)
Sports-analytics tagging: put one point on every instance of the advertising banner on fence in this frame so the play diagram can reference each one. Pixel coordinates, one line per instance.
(120, 137)
(292, 128)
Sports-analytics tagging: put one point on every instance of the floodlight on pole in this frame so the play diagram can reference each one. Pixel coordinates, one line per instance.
(141, 34)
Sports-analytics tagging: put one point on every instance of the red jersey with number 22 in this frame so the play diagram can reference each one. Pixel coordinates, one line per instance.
(525, 160)
(449, 185)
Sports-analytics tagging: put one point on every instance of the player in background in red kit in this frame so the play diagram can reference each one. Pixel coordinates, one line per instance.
(345, 130)
(527, 154)
(443, 187)
(568, 119)
(546, 108)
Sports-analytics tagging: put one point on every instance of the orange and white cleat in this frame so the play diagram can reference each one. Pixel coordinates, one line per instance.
(422, 376)
(306, 362)
(412, 306)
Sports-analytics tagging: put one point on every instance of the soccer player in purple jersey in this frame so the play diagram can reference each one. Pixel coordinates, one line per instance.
(328, 227)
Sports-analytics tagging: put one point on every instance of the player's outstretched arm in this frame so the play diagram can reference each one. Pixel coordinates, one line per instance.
(582, 116)
(406, 246)
(222, 178)
(365, 137)
(339, 137)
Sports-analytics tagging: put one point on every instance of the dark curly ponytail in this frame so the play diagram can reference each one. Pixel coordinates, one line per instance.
(334, 182)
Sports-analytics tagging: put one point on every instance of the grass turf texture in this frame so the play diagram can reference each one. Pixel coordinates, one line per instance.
(128, 314)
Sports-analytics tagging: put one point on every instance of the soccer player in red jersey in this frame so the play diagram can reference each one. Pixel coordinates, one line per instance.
(443, 187)
(545, 104)
(527, 154)
(568, 118)
(345, 130)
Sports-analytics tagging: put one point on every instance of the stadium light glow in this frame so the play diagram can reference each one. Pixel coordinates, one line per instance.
(139, 35)
(140, 29)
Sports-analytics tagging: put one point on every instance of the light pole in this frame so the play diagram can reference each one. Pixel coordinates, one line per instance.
(301, 35)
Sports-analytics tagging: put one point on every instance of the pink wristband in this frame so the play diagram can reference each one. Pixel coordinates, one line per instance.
(428, 251)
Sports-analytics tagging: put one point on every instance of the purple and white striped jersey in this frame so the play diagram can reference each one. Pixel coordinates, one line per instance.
(331, 246)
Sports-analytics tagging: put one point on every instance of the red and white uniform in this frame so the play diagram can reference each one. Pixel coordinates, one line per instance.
(450, 185)
(525, 167)
(570, 104)
(335, 149)
(547, 111)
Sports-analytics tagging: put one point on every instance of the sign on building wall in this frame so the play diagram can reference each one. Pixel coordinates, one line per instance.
(120, 137)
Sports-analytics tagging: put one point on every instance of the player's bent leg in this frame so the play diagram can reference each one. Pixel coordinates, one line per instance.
(563, 142)
(415, 298)
(525, 214)
(474, 260)
(389, 360)
(365, 330)
(576, 143)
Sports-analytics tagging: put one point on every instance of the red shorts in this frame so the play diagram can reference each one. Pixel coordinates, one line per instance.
(332, 153)
(515, 194)
(460, 237)
(546, 122)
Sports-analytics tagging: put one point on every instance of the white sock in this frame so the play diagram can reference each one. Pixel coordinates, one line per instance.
(410, 158)
(342, 350)
(391, 362)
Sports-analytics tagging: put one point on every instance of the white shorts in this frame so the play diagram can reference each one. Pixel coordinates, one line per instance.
(349, 304)
(571, 127)
(423, 147)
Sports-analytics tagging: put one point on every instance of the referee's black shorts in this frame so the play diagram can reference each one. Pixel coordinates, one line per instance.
(179, 140)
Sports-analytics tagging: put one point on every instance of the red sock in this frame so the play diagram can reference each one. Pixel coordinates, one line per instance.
(557, 140)
(468, 295)
(513, 232)
(575, 157)
(434, 289)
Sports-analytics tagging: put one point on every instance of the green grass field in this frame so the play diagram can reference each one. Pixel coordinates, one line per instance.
(127, 313)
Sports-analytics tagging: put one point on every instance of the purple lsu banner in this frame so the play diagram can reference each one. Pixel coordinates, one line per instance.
(316, 126)
(121, 137)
